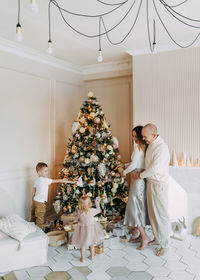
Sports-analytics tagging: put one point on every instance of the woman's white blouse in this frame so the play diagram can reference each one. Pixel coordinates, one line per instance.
(137, 161)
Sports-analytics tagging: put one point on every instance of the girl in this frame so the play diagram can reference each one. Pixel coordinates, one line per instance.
(88, 231)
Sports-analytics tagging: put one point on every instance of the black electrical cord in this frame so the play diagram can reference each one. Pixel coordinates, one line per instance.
(181, 46)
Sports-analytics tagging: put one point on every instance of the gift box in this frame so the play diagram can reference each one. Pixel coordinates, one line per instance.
(67, 219)
(123, 239)
(57, 238)
(120, 230)
(99, 249)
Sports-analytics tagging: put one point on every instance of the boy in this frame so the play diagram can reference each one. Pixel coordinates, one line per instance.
(40, 193)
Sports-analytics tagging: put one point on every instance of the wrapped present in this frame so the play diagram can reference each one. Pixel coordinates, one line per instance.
(120, 230)
(70, 218)
(123, 239)
(99, 249)
(70, 247)
(56, 238)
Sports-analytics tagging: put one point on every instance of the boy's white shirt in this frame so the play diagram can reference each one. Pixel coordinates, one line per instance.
(41, 185)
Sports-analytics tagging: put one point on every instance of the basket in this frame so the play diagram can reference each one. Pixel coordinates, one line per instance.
(56, 238)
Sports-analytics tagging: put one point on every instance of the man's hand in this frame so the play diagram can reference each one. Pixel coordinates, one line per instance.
(136, 176)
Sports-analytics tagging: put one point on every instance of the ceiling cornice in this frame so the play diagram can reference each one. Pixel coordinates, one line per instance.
(38, 56)
(162, 48)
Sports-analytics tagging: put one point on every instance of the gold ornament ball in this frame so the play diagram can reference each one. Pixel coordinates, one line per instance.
(82, 130)
(97, 120)
(92, 115)
(90, 94)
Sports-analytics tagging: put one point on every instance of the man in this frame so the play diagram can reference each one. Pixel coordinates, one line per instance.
(157, 174)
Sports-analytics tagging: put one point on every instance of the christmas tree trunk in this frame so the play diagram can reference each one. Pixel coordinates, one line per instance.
(92, 155)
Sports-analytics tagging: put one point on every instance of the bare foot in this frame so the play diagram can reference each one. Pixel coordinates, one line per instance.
(161, 252)
(153, 242)
(81, 259)
(143, 244)
(135, 240)
(91, 257)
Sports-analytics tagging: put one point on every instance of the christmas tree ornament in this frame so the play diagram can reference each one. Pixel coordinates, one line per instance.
(97, 120)
(82, 130)
(82, 120)
(75, 127)
(109, 147)
(90, 94)
(87, 160)
(82, 159)
(115, 185)
(92, 115)
(65, 197)
(98, 135)
(57, 206)
(102, 169)
(89, 194)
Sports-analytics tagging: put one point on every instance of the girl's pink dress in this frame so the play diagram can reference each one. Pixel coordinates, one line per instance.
(87, 231)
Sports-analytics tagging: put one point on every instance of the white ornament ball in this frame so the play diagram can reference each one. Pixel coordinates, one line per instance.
(75, 127)
(115, 185)
(109, 147)
(87, 160)
(89, 194)
(94, 158)
(90, 94)
(113, 190)
(98, 135)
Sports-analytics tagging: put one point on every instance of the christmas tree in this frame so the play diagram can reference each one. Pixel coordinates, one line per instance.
(92, 156)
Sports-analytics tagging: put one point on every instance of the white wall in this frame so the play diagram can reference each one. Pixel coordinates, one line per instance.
(166, 91)
(36, 114)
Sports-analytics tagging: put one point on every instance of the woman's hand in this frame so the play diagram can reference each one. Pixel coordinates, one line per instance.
(119, 166)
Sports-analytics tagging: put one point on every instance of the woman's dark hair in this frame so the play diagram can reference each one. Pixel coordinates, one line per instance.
(138, 130)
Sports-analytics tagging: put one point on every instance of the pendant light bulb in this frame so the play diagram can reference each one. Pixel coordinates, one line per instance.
(100, 57)
(19, 36)
(50, 50)
(154, 50)
(34, 6)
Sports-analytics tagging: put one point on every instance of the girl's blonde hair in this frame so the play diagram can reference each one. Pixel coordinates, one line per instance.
(84, 203)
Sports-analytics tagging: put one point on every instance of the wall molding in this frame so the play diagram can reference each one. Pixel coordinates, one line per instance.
(107, 67)
(160, 49)
(39, 56)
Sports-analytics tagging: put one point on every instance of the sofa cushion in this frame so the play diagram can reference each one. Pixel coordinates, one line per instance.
(16, 227)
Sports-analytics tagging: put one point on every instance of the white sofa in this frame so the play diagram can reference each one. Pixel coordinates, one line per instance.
(33, 250)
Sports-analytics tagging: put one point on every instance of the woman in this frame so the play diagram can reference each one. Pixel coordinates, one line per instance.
(136, 212)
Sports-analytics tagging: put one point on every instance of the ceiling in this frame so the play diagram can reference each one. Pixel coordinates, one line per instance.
(71, 47)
